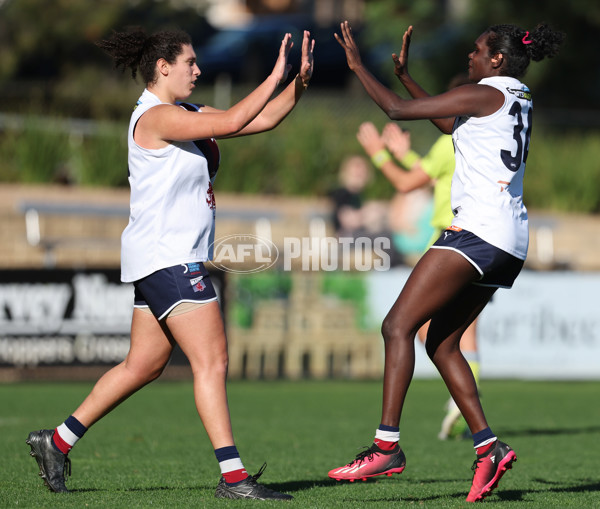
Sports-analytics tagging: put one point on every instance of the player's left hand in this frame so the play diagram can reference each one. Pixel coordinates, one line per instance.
(307, 59)
(347, 42)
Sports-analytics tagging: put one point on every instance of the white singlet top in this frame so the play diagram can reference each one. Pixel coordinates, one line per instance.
(487, 186)
(172, 206)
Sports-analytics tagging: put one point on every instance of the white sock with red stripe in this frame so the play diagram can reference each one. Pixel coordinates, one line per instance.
(386, 437)
(230, 463)
(483, 440)
(67, 434)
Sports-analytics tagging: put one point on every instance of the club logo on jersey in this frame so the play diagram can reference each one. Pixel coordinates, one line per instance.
(192, 268)
(197, 284)
(210, 197)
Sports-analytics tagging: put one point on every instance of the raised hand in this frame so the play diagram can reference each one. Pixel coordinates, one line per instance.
(307, 59)
(401, 61)
(347, 42)
(369, 138)
(396, 140)
(282, 68)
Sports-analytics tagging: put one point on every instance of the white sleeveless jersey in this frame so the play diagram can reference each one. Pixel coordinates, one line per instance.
(172, 206)
(487, 186)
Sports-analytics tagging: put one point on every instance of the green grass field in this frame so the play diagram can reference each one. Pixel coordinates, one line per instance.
(153, 452)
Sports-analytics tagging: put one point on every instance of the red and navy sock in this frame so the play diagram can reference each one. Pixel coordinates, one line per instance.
(387, 437)
(67, 434)
(483, 441)
(232, 468)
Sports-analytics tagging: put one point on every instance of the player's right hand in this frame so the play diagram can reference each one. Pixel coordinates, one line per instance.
(282, 68)
(347, 42)
(401, 61)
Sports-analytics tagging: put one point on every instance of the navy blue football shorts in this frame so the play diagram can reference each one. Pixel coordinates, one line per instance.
(164, 289)
(497, 268)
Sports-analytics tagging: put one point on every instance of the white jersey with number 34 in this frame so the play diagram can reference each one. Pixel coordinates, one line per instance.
(491, 151)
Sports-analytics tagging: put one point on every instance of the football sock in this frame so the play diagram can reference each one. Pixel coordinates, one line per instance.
(232, 468)
(485, 448)
(386, 437)
(483, 440)
(67, 434)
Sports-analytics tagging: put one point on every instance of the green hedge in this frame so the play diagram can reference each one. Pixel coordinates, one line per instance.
(563, 172)
(41, 151)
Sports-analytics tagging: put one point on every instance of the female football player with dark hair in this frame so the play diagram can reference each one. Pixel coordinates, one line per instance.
(172, 161)
(485, 247)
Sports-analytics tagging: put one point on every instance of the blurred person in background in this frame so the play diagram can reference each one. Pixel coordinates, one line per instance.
(482, 250)
(173, 159)
(414, 172)
(411, 208)
(357, 218)
(352, 215)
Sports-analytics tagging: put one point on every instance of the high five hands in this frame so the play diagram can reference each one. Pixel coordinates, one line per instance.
(346, 41)
(307, 59)
(401, 61)
(282, 67)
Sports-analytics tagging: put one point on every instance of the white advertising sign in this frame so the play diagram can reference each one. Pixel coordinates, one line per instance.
(546, 327)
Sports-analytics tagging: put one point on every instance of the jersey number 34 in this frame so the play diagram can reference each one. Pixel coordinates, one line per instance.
(513, 162)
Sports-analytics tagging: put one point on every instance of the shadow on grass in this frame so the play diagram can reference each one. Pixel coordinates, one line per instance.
(548, 432)
(355, 496)
(295, 486)
(502, 494)
(556, 487)
(517, 495)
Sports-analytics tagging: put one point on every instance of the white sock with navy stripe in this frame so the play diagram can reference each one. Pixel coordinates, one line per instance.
(67, 434)
(386, 437)
(232, 468)
(483, 438)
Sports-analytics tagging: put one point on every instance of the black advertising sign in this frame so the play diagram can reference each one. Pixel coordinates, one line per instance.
(67, 317)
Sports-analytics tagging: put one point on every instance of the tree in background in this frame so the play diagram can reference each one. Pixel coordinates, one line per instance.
(47, 50)
(444, 31)
(55, 44)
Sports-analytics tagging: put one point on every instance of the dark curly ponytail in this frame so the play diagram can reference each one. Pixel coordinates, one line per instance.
(519, 47)
(134, 50)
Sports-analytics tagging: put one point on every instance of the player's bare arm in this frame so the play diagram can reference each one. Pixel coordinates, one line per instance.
(479, 100)
(166, 123)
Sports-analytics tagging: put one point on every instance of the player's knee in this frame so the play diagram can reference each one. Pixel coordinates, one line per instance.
(155, 373)
(216, 364)
(145, 373)
(223, 363)
(392, 330)
(441, 349)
